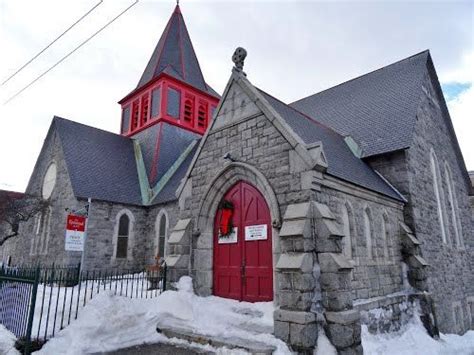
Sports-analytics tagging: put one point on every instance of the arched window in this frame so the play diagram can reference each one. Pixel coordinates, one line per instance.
(454, 206)
(41, 229)
(438, 190)
(348, 230)
(385, 234)
(161, 228)
(123, 234)
(43, 248)
(368, 232)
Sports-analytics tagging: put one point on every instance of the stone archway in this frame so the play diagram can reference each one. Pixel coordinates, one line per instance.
(203, 254)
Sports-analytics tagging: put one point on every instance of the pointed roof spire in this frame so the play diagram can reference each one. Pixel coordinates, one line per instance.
(174, 55)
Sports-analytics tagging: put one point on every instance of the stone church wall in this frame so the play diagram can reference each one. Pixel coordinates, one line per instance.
(451, 278)
(257, 147)
(256, 142)
(100, 244)
(103, 225)
(451, 281)
(381, 274)
(22, 247)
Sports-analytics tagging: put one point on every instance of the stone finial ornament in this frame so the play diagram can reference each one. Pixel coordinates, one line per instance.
(239, 57)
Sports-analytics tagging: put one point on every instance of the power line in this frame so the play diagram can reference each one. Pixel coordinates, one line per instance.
(54, 41)
(71, 52)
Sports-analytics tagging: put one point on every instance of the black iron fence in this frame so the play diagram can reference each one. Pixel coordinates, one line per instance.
(37, 302)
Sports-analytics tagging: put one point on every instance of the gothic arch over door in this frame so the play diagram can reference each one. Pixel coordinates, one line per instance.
(242, 264)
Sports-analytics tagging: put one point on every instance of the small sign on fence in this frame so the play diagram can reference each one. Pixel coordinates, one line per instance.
(75, 230)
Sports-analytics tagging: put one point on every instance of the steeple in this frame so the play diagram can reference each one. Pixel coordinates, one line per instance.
(174, 55)
(172, 88)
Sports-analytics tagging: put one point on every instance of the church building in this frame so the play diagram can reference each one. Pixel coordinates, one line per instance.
(352, 200)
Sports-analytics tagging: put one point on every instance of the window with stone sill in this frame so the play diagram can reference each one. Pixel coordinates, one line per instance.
(368, 232)
(348, 227)
(452, 198)
(162, 233)
(42, 229)
(122, 237)
(439, 195)
(458, 317)
(385, 235)
(471, 311)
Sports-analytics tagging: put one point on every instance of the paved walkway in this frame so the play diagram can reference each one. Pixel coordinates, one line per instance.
(153, 349)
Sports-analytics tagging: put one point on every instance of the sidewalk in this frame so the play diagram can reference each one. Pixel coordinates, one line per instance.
(153, 349)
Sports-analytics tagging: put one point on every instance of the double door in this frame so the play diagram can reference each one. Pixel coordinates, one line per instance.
(243, 268)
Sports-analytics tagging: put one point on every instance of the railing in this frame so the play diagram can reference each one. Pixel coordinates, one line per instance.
(36, 303)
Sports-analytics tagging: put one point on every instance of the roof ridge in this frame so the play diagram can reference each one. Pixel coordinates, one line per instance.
(312, 119)
(192, 47)
(361, 76)
(58, 118)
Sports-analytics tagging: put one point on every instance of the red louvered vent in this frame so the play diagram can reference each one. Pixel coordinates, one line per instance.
(188, 110)
(202, 116)
(135, 114)
(145, 109)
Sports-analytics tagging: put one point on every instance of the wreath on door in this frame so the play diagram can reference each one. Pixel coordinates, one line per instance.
(227, 213)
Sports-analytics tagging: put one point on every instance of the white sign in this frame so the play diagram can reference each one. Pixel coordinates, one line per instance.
(75, 230)
(257, 232)
(228, 239)
(74, 241)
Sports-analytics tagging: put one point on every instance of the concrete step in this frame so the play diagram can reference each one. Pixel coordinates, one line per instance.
(249, 345)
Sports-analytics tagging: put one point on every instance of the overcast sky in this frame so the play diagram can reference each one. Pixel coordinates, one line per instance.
(294, 49)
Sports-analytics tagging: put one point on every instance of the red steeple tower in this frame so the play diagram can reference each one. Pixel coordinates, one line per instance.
(172, 88)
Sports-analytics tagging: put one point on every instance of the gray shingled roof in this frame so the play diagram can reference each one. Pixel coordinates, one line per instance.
(101, 164)
(174, 55)
(173, 142)
(161, 145)
(168, 193)
(342, 163)
(377, 109)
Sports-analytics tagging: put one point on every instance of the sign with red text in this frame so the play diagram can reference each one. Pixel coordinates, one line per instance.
(75, 232)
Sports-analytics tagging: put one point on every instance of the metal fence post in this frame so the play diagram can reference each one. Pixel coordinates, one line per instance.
(32, 312)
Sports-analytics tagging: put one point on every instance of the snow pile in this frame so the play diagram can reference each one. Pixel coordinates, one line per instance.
(7, 342)
(57, 306)
(324, 346)
(413, 339)
(111, 322)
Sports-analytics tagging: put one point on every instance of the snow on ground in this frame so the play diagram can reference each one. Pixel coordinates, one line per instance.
(110, 322)
(57, 306)
(7, 342)
(413, 339)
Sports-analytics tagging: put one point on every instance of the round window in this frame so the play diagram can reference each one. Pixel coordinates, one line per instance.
(49, 181)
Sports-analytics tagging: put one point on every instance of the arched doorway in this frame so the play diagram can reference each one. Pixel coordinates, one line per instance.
(243, 260)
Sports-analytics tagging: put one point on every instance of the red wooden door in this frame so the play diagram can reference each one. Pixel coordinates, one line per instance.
(243, 263)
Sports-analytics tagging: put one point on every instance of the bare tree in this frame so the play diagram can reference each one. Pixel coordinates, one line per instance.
(15, 208)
